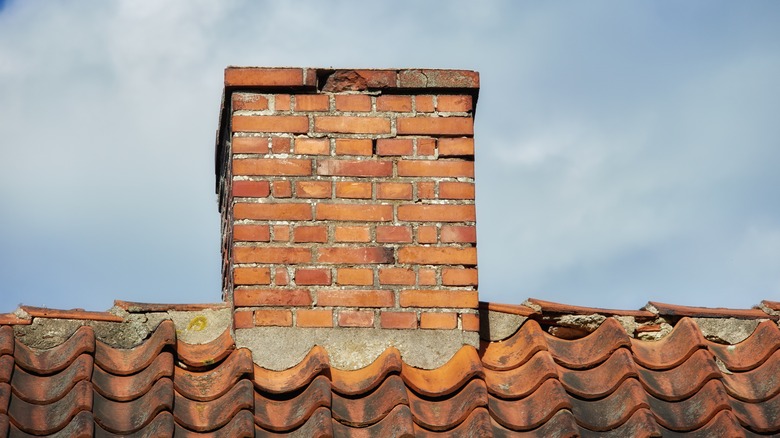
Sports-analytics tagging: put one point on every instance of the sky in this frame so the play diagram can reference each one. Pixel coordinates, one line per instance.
(627, 151)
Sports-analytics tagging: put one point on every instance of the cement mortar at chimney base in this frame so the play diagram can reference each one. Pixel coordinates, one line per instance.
(280, 348)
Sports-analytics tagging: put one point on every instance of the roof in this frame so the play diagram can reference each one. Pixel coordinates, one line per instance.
(603, 376)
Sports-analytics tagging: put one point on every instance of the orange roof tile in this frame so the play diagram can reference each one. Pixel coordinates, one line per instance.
(607, 382)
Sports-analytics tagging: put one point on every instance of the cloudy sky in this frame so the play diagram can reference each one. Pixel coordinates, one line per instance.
(626, 151)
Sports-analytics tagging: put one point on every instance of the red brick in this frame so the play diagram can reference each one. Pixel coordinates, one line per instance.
(355, 298)
(312, 146)
(396, 276)
(435, 125)
(306, 234)
(393, 234)
(394, 103)
(277, 212)
(426, 234)
(262, 77)
(425, 190)
(272, 166)
(354, 212)
(456, 190)
(253, 189)
(312, 277)
(251, 102)
(443, 168)
(249, 145)
(439, 298)
(453, 103)
(352, 124)
(352, 234)
(426, 277)
(281, 277)
(356, 318)
(359, 80)
(281, 189)
(280, 145)
(353, 190)
(313, 189)
(469, 322)
(423, 104)
(394, 191)
(243, 276)
(426, 146)
(243, 319)
(355, 255)
(292, 124)
(282, 102)
(279, 318)
(246, 297)
(357, 168)
(459, 277)
(281, 233)
(251, 233)
(353, 102)
(274, 254)
(311, 102)
(461, 146)
(437, 213)
(398, 320)
(394, 146)
(431, 255)
(354, 146)
(442, 321)
(314, 318)
(458, 234)
(355, 276)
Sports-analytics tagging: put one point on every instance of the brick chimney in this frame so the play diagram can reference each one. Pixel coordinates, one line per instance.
(347, 203)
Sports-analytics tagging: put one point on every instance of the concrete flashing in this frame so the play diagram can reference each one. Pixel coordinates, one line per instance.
(280, 348)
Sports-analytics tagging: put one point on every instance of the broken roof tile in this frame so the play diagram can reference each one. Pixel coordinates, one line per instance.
(133, 307)
(592, 349)
(81, 314)
(672, 350)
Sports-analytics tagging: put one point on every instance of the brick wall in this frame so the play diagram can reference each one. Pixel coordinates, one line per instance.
(347, 198)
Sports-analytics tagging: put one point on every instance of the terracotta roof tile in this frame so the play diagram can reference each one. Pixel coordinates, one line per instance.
(772, 305)
(672, 350)
(366, 379)
(283, 414)
(43, 312)
(372, 407)
(209, 416)
(57, 358)
(125, 388)
(133, 307)
(751, 352)
(550, 307)
(125, 361)
(200, 355)
(707, 312)
(591, 350)
(38, 389)
(11, 319)
(607, 383)
(49, 418)
(533, 411)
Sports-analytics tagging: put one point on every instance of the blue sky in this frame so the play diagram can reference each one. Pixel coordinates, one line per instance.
(626, 151)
